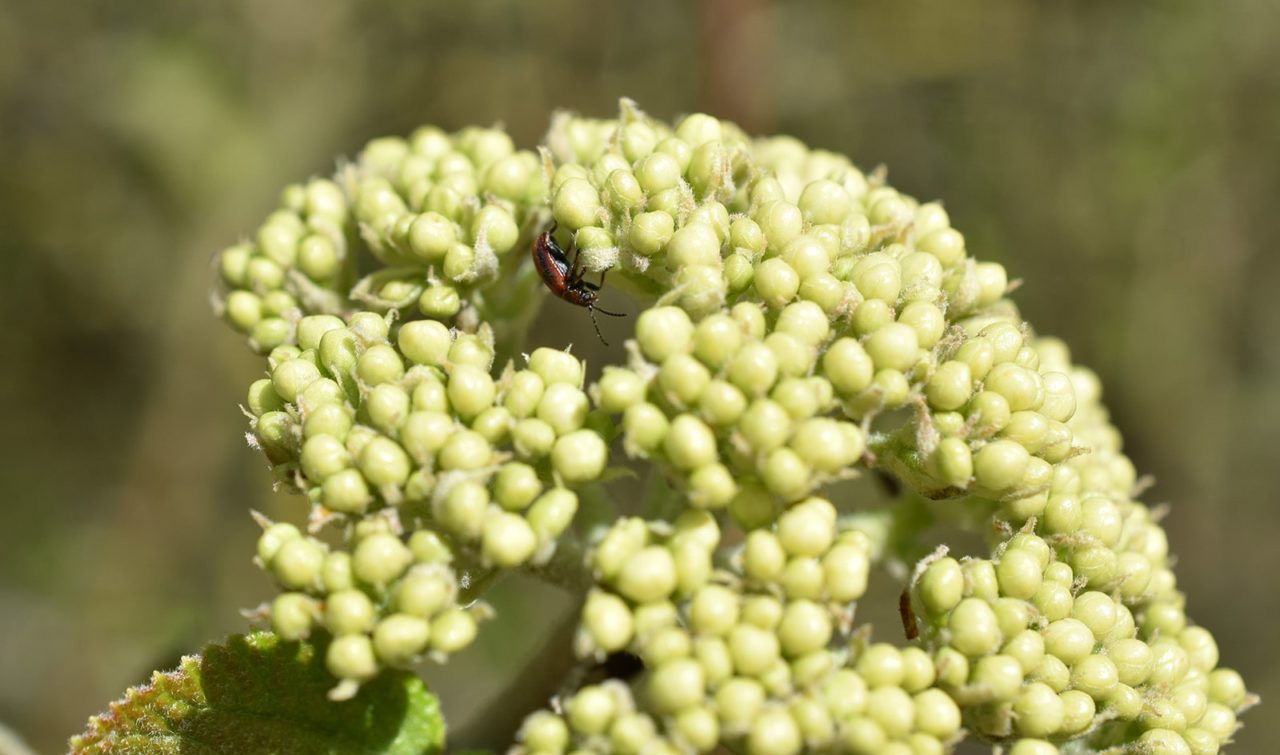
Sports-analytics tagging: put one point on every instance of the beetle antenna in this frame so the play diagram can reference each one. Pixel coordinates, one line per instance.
(607, 312)
(596, 325)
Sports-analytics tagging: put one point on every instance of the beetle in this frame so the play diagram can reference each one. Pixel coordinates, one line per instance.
(565, 278)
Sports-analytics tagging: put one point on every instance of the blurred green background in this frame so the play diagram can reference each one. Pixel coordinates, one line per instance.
(1123, 159)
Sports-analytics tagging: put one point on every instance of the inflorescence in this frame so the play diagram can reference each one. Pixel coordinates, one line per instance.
(806, 324)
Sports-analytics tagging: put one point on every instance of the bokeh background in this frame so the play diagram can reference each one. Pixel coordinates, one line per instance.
(1123, 159)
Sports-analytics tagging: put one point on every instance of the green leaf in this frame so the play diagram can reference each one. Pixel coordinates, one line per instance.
(263, 695)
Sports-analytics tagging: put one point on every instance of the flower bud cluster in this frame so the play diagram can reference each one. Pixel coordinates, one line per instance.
(407, 425)
(734, 411)
(653, 202)
(359, 418)
(1030, 651)
(854, 282)
(384, 602)
(759, 655)
(297, 262)
(810, 321)
(1088, 514)
(441, 211)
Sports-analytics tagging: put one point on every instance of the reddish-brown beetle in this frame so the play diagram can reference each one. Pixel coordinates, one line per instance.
(565, 278)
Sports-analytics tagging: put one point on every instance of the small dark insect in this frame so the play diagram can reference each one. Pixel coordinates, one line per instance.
(564, 277)
(908, 615)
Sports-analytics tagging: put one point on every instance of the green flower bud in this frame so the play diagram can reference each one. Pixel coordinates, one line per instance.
(291, 377)
(379, 364)
(336, 572)
(607, 620)
(878, 279)
(425, 342)
(827, 445)
(273, 537)
(1218, 721)
(1000, 465)
(647, 576)
(992, 282)
(645, 426)
(348, 612)
(1019, 572)
(892, 709)
(591, 710)
(936, 714)
(297, 563)
(894, 346)
(864, 736)
(369, 327)
(278, 303)
(346, 492)
(694, 244)
(918, 672)
(848, 366)
(953, 667)
(1078, 710)
(576, 204)
(516, 486)
(292, 615)
(650, 232)
(263, 398)
(466, 449)
(496, 227)
(950, 386)
(264, 275)
(379, 559)
(808, 256)
(997, 677)
(319, 258)
(974, 628)
(690, 443)
(430, 237)
(802, 579)
(579, 456)
(388, 407)
(399, 638)
(776, 282)
(676, 685)
(383, 462)
(351, 657)
(711, 487)
(1038, 711)
(440, 302)
(424, 592)
(658, 172)
(618, 389)
(786, 474)
(552, 513)
(846, 570)
(946, 244)
(462, 509)
(754, 650)
(683, 379)
(805, 627)
(1096, 676)
(452, 631)
(563, 407)
(663, 331)
(952, 462)
(774, 732)
(507, 539)
(1033, 747)
(941, 586)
